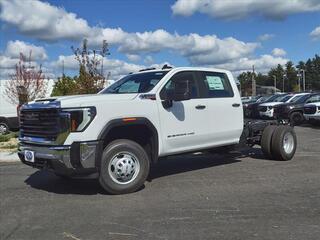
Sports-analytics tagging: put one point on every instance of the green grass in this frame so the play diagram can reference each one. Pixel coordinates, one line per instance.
(7, 137)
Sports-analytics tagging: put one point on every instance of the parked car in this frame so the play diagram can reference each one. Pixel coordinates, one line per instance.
(251, 110)
(251, 99)
(116, 135)
(266, 110)
(293, 111)
(311, 111)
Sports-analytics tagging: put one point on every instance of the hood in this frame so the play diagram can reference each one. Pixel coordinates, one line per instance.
(85, 100)
(270, 104)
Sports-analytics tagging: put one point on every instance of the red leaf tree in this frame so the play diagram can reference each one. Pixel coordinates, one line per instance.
(26, 77)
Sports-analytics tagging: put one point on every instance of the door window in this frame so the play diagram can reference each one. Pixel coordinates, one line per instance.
(216, 85)
(315, 98)
(180, 76)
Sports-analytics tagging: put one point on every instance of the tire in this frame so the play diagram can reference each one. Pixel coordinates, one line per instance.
(296, 118)
(284, 143)
(266, 141)
(124, 167)
(4, 128)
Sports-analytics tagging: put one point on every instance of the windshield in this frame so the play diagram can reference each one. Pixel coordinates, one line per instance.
(136, 83)
(284, 98)
(296, 98)
(274, 98)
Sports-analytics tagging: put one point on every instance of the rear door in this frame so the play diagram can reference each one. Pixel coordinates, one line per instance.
(224, 108)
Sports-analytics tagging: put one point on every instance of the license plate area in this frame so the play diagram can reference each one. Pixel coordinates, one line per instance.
(29, 156)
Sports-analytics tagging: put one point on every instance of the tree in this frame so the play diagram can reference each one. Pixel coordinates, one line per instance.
(291, 77)
(64, 86)
(245, 80)
(28, 77)
(278, 73)
(90, 79)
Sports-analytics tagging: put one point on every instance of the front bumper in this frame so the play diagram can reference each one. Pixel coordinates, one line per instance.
(267, 114)
(77, 159)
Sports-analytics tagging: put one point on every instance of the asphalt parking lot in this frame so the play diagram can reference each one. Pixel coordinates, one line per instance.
(235, 196)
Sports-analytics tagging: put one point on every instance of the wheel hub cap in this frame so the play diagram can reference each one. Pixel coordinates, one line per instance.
(124, 168)
(288, 143)
(3, 129)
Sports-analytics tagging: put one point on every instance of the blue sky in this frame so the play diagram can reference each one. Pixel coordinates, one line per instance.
(214, 33)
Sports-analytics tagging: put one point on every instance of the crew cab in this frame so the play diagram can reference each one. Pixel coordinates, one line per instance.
(116, 134)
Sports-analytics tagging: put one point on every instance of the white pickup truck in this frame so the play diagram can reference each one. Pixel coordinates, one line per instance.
(116, 134)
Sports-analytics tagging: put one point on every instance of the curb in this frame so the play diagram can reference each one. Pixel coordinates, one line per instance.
(9, 157)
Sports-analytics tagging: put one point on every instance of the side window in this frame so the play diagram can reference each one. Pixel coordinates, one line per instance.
(217, 85)
(313, 99)
(168, 88)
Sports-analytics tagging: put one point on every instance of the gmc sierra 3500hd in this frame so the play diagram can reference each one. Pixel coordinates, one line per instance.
(116, 134)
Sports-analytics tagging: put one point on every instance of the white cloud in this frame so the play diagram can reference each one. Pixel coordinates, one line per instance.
(148, 60)
(262, 64)
(315, 34)
(226, 9)
(133, 57)
(7, 62)
(278, 52)
(117, 68)
(265, 37)
(44, 21)
(14, 48)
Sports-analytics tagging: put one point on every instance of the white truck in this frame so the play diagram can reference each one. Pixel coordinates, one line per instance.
(116, 134)
(8, 112)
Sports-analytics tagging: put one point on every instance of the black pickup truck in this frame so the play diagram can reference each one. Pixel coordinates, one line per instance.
(293, 111)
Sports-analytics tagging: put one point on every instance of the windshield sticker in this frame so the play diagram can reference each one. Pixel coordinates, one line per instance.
(215, 83)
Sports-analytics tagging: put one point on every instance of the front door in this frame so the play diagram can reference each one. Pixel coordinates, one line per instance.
(184, 125)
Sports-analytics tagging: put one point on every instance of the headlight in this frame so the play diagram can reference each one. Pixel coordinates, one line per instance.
(80, 118)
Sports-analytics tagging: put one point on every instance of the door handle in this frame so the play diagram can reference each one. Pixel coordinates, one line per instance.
(200, 107)
(236, 105)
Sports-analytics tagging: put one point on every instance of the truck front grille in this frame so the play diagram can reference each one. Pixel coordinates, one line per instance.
(310, 109)
(40, 123)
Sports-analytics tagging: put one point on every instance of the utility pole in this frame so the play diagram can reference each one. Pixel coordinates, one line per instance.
(284, 75)
(299, 81)
(62, 68)
(304, 79)
(275, 82)
(254, 89)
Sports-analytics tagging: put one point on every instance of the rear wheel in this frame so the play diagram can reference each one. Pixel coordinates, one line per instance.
(4, 129)
(266, 141)
(296, 118)
(124, 167)
(284, 143)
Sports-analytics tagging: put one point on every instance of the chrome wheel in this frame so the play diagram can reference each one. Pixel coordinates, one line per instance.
(124, 167)
(288, 142)
(3, 129)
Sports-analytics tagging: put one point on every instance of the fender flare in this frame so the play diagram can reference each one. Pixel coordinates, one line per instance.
(137, 121)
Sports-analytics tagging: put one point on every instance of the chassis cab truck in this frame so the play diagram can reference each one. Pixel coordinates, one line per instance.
(116, 134)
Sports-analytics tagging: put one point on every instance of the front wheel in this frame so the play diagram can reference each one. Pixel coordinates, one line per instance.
(296, 118)
(124, 167)
(4, 129)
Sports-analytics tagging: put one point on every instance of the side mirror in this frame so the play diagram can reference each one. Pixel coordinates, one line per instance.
(181, 91)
